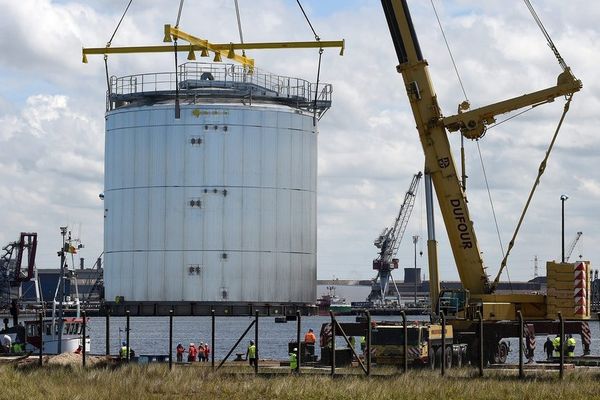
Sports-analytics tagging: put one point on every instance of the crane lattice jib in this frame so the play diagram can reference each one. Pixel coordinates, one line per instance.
(396, 234)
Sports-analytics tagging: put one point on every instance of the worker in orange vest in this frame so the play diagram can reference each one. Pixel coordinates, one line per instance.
(192, 352)
(180, 351)
(310, 337)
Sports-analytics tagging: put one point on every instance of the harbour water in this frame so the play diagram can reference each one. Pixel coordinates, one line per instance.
(150, 335)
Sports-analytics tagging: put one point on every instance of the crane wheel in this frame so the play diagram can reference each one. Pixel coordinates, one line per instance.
(431, 357)
(448, 357)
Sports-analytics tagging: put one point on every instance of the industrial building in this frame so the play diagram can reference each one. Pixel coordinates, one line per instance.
(210, 191)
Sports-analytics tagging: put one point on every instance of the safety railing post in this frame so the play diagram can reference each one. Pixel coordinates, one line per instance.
(212, 339)
(332, 343)
(127, 335)
(368, 344)
(299, 343)
(443, 369)
(41, 331)
(405, 344)
(480, 317)
(521, 332)
(562, 345)
(256, 342)
(83, 326)
(107, 333)
(171, 339)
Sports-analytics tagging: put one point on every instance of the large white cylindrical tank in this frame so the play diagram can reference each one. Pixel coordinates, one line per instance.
(216, 206)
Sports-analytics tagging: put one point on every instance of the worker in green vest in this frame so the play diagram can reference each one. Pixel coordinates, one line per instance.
(125, 352)
(556, 345)
(363, 343)
(251, 353)
(571, 346)
(294, 360)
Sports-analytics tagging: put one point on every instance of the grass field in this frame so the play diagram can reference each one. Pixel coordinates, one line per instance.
(156, 382)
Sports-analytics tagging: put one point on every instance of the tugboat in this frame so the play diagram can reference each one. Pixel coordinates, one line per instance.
(332, 302)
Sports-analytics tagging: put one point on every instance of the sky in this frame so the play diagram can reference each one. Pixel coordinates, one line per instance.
(52, 118)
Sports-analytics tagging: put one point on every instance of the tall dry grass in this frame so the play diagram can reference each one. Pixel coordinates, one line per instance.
(156, 382)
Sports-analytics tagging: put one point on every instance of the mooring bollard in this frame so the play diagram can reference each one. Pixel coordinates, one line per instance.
(405, 332)
(41, 331)
(562, 345)
(332, 343)
(212, 339)
(299, 348)
(83, 326)
(107, 332)
(443, 369)
(521, 332)
(480, 342)
(127, 335)
(368, 344)
(256, 342)
(171, 339)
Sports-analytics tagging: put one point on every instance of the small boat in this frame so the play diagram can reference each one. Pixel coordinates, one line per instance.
(332, 302)
(70, 339)
(59, 334)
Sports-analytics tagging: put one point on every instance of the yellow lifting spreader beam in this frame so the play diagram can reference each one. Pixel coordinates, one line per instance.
(204, 46)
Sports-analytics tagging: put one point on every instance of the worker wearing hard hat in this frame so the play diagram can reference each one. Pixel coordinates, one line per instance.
(556, 344)
(294, 360)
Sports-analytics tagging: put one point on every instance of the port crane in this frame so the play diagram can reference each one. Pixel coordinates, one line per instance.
(478, 297)
(572, 246)
(388, 243)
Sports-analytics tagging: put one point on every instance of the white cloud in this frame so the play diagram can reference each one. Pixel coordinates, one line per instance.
(51, 116)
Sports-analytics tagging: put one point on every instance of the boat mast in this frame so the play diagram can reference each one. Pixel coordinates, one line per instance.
(61, 288)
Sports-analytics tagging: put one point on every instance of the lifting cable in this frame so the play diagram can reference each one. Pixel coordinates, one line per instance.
(538, 21)
(542, 167)
(541, 170)
(239, 22)
(110, 42)
(462, 138)
(318, 39)
(487, 186)
(177, 109)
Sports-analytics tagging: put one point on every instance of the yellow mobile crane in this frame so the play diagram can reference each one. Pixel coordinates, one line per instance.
(478, 294)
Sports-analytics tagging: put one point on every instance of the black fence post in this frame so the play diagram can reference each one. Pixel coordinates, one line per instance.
(480, 342)
(212, 339)
(41, 319)
(256, 342)
(171, 339)
(405, 344)
(299, 348)
(332, 343)
(562, 345)
(107, 332)
(520, 316)
(368, 344)
(83, 326)
(443, 369)
(127, 334)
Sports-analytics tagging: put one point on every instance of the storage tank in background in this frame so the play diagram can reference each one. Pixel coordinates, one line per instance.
(216, 209)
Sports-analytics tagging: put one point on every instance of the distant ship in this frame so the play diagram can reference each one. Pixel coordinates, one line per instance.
(332, 302)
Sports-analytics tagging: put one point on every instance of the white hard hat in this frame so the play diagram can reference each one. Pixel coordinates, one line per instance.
(295, 349)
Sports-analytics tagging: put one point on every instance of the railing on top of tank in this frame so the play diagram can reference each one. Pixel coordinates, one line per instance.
(190, 74)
